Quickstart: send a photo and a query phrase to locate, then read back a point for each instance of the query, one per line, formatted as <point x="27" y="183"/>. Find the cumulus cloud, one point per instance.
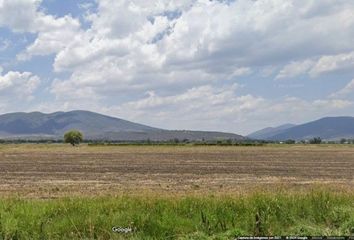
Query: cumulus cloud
<point x="25" y="12"/>
<point x="295" y="69"/>
<point x="17" y="85"/>
<point x="203" y="107"/>
<point x="333" y="104"/>
<point x="318" y="66"/>
<point x="163" y="59"/>
<point x="224" y="108"/>
<point x="333" y="63"/>
<point x="149" y="43"/>
<point x="53" y="33"/>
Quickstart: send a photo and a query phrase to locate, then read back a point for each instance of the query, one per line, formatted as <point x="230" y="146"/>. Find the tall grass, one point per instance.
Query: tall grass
<point x="188" y="217"/>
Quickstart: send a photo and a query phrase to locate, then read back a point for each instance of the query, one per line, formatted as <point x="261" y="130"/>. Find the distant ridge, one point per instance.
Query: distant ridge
<point x="329" y="128"/>
<point x="37" y="125"/>
<point x="270" y="131"/>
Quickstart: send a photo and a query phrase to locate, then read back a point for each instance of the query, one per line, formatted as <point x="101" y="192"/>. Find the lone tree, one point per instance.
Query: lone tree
<point x="316" y="140"/>
<point x="73" y="137"/>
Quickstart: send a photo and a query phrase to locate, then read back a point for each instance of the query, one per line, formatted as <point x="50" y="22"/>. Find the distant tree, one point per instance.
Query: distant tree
<point x="73" y="137"/>
<point x="343" y="140"/>
<point x="316" y="140"/>
<point x="290" y="141"/>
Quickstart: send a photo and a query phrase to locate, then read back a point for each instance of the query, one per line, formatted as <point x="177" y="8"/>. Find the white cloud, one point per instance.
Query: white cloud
<point x="53" y="33"/>
<point x="223" y="108"/>
<point x="242" y="71"/>
<point x="348" y="89"/>
<point x="333" y="103"/>
<point x="295" y="108"/>
<point x="19" y="15"/>
<point x="295" y="69"/>
<point x="333" y="63"/>
<point x="318" y="66"/>
<point x="17" y="85"/>
<point x="140" y="36"/>
<point x="187" y="54"/>
<point x="119" y="19"/>
<point x="134" y="43"/>
<point x="182" y="61"/>
<point x="205" y="107"/>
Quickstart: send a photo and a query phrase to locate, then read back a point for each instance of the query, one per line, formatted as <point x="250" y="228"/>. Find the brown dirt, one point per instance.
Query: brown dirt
<point x="47" y="171"/>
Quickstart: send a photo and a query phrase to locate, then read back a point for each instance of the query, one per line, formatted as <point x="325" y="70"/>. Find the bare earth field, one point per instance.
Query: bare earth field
<point x="48" y="171"/>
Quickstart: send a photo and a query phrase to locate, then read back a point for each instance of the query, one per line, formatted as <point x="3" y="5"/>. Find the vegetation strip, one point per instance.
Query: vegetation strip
<point x="185" y="217"/>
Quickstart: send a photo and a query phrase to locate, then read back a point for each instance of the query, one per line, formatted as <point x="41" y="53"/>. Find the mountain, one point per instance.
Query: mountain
<point x="37" y="125"/>
<point x="329" y="128"/>
<point x="270" y="131"/>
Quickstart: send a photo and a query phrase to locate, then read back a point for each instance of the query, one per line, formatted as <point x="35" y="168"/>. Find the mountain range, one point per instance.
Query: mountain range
<point x="37" y="125"/>
<point x="270" y="131"/>
<point x="329" y="128"/>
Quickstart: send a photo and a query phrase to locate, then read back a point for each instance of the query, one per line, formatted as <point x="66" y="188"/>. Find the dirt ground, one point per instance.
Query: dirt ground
<point x="48" y="171"/>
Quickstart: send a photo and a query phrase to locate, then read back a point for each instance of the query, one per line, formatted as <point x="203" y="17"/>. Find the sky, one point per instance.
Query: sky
<point x="222" y="65"/>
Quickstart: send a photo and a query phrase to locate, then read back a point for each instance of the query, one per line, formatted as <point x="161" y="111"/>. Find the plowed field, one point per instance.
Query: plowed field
<point x="58" y="170"/>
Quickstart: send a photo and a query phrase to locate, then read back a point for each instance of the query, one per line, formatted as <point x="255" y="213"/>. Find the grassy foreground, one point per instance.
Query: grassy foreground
<point x="168" y="217"/>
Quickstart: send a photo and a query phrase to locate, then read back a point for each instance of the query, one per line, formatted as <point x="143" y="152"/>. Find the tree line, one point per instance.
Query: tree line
<point x="75" y="137"/>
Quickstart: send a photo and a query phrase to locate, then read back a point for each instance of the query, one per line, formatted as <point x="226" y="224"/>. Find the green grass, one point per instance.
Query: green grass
<point x="185" y="217"/>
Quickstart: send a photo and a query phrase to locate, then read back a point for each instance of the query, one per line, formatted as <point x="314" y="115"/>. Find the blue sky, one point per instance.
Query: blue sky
<point x="234" y="66"/>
